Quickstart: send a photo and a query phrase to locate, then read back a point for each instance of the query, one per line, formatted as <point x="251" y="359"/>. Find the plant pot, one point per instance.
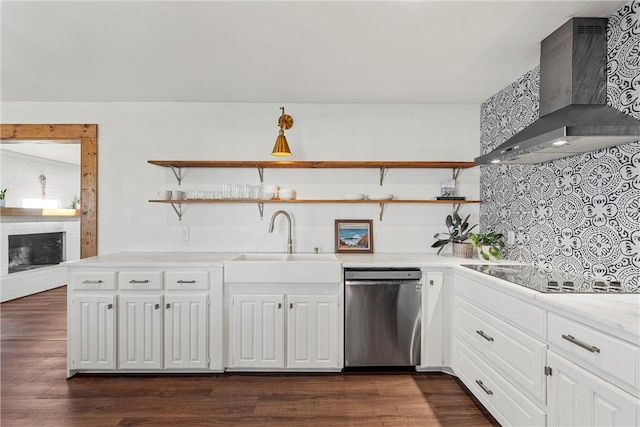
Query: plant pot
<point x="485" y="250"/>
<point x="462" y="250"/>
<point x="2" y="203"/>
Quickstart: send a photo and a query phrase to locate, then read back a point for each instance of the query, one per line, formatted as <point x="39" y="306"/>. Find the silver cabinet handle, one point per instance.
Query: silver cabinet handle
<point x="186" y="281"/>
<point x="484" y="387"/>
<point x="91" y="282"/>
<point x="573" y="340"/>
<point x="138" y="281"/>
<point x="485" y="336"/>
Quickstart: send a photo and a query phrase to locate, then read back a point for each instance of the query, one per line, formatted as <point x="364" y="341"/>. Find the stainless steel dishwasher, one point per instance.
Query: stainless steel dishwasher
<point x="382" y="316"/>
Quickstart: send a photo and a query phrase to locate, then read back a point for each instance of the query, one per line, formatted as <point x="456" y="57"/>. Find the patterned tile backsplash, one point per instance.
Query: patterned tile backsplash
<point x="578" y="215"/>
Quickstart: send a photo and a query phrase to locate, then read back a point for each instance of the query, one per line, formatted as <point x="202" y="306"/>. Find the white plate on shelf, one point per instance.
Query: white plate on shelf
<point x="381" y="197"/>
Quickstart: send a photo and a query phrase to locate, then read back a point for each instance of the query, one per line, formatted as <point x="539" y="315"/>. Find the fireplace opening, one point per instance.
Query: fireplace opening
<point x="31" y="251"/>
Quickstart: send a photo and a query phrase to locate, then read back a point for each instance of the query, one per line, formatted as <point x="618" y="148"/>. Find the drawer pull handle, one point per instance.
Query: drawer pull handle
<point x="138" y="281"/>
<point x="92" y="282"/>
<point x="168" y="305"/>
<point x="186" y="281"/>
<point x="484" y="387"/>
<point x="485" y="336"/>
<point x="573" y="340"/>
<point x="109" y="306"/>
<point x="157" y="306"/>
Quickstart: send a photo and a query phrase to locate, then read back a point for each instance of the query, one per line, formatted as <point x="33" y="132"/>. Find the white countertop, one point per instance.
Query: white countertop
<point x="154" y="259"/>
<point x="616" y="314"/>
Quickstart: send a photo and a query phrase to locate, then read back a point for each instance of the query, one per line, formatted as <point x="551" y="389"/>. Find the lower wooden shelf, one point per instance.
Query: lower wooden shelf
<point x="177" y="204"/>
<point x="38" y="212"/>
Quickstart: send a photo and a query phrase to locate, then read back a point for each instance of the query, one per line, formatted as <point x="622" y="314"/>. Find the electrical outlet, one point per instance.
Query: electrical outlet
<point x="183" y="233"/>
<point x="376" y="236"/>
<point x="511" y="237"/>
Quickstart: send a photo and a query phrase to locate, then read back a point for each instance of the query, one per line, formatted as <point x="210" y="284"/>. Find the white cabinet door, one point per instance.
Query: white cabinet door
<point x="257" y="332"/>
<point x="578" y="398"/>
<point x="432" y="324"/>
<point x="312" y="331"/>
<point x="140" y="332"/>
<point x="94" y="340"/>
<point x="185" y="331"/>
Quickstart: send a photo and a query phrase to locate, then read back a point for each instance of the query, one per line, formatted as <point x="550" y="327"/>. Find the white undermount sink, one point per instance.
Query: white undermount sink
<point x="283" y="268"/>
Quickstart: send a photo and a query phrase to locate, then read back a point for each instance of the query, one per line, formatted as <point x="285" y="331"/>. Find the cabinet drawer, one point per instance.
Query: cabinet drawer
<point x="515" y="354"/>
<point x="517" y="312"/>
<point x="503" y="400"/>
<point x="187" y="280"/>
<point x="140" y="280"/>
<point x="591" y="347"/>
<point x="94" y="281"/>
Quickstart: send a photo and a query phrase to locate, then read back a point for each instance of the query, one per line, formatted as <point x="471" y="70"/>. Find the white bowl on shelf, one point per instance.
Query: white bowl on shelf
<point x="354" y="196"/>
<point x="286" y="194"/>
<point x="381" y="197"/>
<point x="268" y="195"/>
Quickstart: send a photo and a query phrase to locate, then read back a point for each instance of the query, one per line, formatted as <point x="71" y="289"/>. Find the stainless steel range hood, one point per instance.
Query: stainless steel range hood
<point x="574" y="115"/>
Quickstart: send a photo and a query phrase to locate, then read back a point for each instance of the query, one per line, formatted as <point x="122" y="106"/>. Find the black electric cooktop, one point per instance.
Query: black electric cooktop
<point x="552" y="281"/>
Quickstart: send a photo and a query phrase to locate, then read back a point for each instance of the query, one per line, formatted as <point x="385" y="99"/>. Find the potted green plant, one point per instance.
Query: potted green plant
<point x="489" y="245"/>
<point x="3" y="195"/>
<point x="458" y="233"/>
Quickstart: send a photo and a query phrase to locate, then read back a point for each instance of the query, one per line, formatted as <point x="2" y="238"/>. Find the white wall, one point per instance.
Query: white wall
<point x="132" y="133"/>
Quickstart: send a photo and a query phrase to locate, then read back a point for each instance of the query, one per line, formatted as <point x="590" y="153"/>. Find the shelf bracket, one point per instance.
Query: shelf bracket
<point x="382" y="208"/>
<point x="177" y="172"/>
<point x="383" y="172"/>
<point x="177" y="207"/>
<point x="261" y="209"/>
<point x="260" y="173"/>
<point x="456" y="172"/>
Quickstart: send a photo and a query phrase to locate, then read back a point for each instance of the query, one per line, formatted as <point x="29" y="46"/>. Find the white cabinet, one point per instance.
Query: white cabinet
<point x="93" y="336"/>
<point x="312" y="325"/>
<point x="144" y="319"/>
<point x="580" y="398"/>
<point x="432" y="320"/>
<point x="498" y="353"/>
<point x="185" y="331"/>
<point x="258" y="331"/>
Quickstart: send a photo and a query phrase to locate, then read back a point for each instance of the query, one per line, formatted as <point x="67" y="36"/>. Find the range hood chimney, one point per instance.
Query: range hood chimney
<point x="574" y="115"/>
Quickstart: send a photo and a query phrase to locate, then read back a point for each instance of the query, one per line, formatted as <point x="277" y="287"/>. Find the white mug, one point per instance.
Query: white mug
<point x="177" y="195"/>
<point x="164" y="194"/>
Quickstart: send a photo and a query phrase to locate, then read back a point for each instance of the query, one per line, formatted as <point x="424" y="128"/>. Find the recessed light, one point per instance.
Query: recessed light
<point x="559" y="142"/>
<point x="494" y="161"/>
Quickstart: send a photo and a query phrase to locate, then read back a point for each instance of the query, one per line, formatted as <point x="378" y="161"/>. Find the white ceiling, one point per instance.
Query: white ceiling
<point x="275" y="51"/>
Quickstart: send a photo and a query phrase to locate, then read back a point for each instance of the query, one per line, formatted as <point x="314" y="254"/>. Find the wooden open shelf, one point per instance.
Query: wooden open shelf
<point x="324" y="164"/>
<point x="177" y="165"/>
<point x="38" y="212"/>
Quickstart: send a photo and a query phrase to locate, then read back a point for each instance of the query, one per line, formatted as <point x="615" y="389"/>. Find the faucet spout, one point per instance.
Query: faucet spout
<point x="289" y="241"/>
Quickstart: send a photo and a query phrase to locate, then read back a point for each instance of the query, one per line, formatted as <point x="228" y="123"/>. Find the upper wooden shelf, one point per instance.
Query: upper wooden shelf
<point x="328" y="164"/>
<point x="38" y="212"/>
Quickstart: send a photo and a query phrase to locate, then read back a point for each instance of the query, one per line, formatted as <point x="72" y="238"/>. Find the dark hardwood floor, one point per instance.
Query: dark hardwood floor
<point x="35" y="392"/>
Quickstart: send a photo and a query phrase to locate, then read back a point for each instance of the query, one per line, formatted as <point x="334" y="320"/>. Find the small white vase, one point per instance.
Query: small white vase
<point x="2" y="203"/>
<point x="462" y="250"/>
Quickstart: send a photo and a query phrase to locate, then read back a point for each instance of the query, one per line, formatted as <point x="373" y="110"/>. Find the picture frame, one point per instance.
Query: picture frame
<point x="354" y="236"/>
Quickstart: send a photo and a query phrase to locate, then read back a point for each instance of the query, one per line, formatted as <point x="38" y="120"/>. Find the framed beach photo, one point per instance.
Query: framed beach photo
<point x="354" y="236"/>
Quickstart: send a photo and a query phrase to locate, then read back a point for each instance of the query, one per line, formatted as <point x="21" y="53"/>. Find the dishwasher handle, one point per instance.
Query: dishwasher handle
<point x="381" y="282"/>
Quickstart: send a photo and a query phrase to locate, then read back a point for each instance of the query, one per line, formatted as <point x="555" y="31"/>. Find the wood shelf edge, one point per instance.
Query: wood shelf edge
<point x="327" y="164"/>
<point x="417" y="201"/>
<point x="9" y="211"/>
